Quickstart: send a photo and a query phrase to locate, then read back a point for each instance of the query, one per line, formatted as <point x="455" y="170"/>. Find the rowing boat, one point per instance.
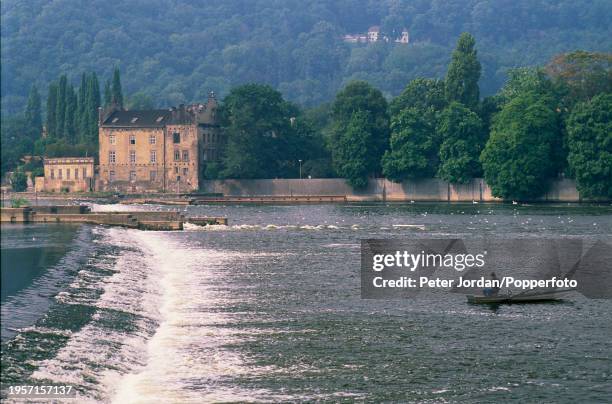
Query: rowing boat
<point x="526" y="297"/>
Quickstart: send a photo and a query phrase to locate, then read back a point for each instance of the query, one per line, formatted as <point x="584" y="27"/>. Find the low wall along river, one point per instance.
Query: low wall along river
<point x="563" y="190"/>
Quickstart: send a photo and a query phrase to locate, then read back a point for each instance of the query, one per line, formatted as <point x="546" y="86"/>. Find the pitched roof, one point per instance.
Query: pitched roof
<point x="136" y="118"/>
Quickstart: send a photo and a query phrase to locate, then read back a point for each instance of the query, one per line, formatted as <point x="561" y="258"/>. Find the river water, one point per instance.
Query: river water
<point x="269" y="309"/>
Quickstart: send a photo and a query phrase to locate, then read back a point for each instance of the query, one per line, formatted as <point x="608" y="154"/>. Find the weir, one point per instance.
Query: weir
<point x="142" y="220"/>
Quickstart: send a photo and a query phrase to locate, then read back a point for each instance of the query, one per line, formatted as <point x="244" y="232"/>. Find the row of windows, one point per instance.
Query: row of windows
<point x="76" y="173"/>
<point x="176" y="138"/>
<point x="152" y="174"/>
<point x="112" y="156"/>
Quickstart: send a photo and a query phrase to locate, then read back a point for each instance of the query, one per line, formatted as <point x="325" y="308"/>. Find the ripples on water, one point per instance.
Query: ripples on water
<point x="268" y="309"/>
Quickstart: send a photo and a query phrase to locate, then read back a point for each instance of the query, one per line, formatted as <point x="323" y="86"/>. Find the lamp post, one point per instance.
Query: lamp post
<point x="300" y="168"/>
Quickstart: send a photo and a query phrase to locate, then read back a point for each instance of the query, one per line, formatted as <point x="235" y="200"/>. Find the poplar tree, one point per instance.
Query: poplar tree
<point x="60" y="114"/>
<point x="93" y="102"/>
<point x="52" y="110"/>
<point x="116" y="94"/>
<point x="461" y="83"/>
<point x="107" y="93"/>
<point x="70" y="115"/>
<point x="33" y="113"/>
<point x="82" y="105"/>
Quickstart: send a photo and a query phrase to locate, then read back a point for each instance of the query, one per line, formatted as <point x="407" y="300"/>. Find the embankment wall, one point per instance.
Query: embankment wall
<point x="434" y="190"/>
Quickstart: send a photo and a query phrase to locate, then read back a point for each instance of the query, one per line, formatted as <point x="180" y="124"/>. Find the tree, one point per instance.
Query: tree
<point x="116" y="93"/>
<point x="356" y="97"/>
<point x="351" y="157"/>
<point x="33" y="113"/>
<point x="460" y="131"/>
<point x="463" y="73"/>
<point x="19" y="181"/>
<point x="585" y="74"/>
<point x="60" y="114"/>
<point x="257" y="122"/>
<point x="107" y="93"/>
<point x="420" y="93"/>
<point x="589" y="130"/>
<point x="52" y="110"/>
<point x="91" y="109"/>
<point x="518" y="157"/>
<point x="140" y="100"/>
<point x="414" y="145"/>
<point x="70" y="115"/>
<point x="82" y="108"/>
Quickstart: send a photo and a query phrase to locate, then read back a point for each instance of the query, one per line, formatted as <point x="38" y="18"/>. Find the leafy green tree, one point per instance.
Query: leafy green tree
<point x="33" y="112"/>
<point x="116" y="92"/>
<point x="589" y="130"/>
<point x="414" y="145"/>
<point x="140" y="100"/>
<point x="257" y="123"/>
<point x="92" y="103"/>
<point x="356" y="97"/>
<point x="420" y="93"/>
<point x="463" y="73"/>
<point x="19" y="181"/>
<point x="82" y="109"/>
<point x="518" y="157"/>
<point x="460" y="131"/>
<point x="585" y="74"/>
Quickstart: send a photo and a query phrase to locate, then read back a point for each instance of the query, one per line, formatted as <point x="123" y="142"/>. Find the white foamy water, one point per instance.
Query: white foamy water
<point x="174" y="349"/>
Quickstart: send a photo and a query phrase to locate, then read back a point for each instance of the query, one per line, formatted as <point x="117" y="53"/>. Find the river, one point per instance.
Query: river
<point x="269" y="309"/>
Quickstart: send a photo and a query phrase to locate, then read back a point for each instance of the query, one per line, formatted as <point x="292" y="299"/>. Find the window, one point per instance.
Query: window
<point x="176" y="170"/>
<point x="115" y="120"/>
<point x="112" y="139"/>
<point x="132" y="156"/>
<point x="132" y="175"/>
<point x="52" y="173"/>
<point x="76" y="173"/>
<point x="67" y="173"/>
<point x="185" y="155"/>
<point x="178" y="177"/>
<point x="152" y="139"/>
<point x="134" y="119"/>
<point x="185" y="171"/>
<point x="176" y="137"/>
<point x="152" y="175"/>
<point x="159" y="119"/>
<point x="112" y="175"/>
<point x="177" y="155"/>
<point x="111" y="157"/>
<point x="153" y="156"/>
<point x="84" y="173"/>
<point x="132" y="139"/>
<point x="59" y="175"/>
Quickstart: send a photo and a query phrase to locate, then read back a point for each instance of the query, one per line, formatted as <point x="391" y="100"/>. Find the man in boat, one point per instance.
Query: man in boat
<point x="493" y="290"/>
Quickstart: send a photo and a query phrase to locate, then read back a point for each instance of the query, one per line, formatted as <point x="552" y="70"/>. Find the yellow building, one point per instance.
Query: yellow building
<point x="67" y="174"/>
<point x="157" y="150"/>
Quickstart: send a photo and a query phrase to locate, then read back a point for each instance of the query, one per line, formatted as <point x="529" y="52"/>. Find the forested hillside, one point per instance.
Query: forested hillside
<point x="172" y="51"/>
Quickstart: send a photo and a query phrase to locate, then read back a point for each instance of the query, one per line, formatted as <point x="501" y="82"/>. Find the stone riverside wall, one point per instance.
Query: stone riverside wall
<point x="563" y="190"/>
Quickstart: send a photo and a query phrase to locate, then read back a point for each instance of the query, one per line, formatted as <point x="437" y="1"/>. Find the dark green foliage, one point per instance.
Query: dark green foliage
<point x="518" y="159"/>
<point x="177" y="51"/>
<point x="14" y="142"/>
<point x="52" y="110"/>
<point x="414" y="145"/>
<point x="33" y="113"/>
<point x="19" y="181"/>
<point x="262" y="142"/>
<point x="589" y="130"/>
<point x="584" y="74"/>
<point x="116" y="92"/>
<point x="461" y="82"/>
<point x="421" y="94"/>
<point x="60" y="108"/>
<point x="140" y="100"/>
<point x="355" y="159"/>
<point x="107" y="93"/>
<point x="461" y="133"/>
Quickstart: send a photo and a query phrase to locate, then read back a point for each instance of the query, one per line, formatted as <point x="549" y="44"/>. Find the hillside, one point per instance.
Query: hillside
<point x="176" y="51"/>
